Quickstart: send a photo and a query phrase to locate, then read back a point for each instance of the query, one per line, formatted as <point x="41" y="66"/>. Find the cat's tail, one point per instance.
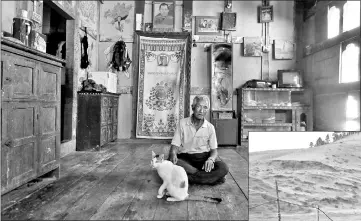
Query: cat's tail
<point x="204" y="198"/>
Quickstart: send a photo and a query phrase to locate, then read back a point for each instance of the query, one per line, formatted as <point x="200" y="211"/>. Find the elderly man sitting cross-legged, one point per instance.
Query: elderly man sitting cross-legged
<point x="194" y="147"/>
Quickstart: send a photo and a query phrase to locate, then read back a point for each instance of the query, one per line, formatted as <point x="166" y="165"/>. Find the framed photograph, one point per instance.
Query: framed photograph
<point x="207" y="25"/>
<point x="252" y="46"/>
<point x="163" y="16"/>
<point x="283" y="49"/>
<point x="265" y="14"/>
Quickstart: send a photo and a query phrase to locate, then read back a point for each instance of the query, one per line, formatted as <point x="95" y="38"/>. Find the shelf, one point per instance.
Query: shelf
<point x="273" y="89"/>
<point x="275" y="107"/>
<point x="268" y="125"/>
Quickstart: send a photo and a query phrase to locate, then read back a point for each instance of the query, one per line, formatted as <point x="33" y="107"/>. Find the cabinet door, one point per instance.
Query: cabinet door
<point x="110" y="133"/>
<point x="115" y="114"/>
<point x="110" y="115"/>
<point x="19" y="78"/>
<point x="104" y="116"/>
<point x="49" y="82"/>
<point x="49" y="133"/>
<point x="115" y="131"/>
<point x="103" y="135"/>
<point x="19" y="145"/>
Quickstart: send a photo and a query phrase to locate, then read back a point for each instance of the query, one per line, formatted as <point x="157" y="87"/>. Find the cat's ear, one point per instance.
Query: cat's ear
<point x="153" y="154"/>
<point x="161" y="157"/>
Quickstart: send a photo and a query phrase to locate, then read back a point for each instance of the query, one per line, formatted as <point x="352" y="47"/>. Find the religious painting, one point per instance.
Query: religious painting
<point x="117" y="21"/>
<point x="207" y="25"/>
<point x="252" y="46"/>
<point x="222" y="77"/>
<point x="162" y="92"/>
<point x="265" y="14"/>
<point x="88" y="11"/>
<point x="163" y="16"/>
<point x="283" y="49"/>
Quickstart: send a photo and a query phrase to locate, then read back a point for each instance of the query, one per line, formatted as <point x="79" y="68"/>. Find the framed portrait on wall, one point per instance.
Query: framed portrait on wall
<point x="265" y="14"/>
<point x="163" y="16"/>
<point x="207" y="25"/>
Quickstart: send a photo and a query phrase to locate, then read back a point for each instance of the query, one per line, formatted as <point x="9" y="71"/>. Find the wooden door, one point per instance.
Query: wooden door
<point x="49" y="136"/>
<point x="20" y="77"/>
<point x="19" y="144"/>
<point x="49" y="82"/>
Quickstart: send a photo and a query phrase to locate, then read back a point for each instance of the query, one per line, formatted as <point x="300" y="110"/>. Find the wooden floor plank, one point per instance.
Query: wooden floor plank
<point x="234" y="205"/>
<point x="57" y="208"/>
<point x="68" y="163"/>
<point x="171" y="210"/>
<point x="88" y="205"/>
<point x="198" y="210"/>
<point x="238" y="168"/>
<point x="118" y="183"/>
<point x="145" y="202"/>
<point x="25" y="208"/>
<point x="131" y="202"/>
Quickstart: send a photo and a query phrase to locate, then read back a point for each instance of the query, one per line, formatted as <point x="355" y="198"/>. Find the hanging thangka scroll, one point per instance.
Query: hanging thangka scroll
<point x="222" y="77"/>
<point x="161" y="94"/>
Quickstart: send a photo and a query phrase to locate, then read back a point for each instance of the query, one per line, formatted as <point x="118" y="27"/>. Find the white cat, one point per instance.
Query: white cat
<point x="175" y="181"/>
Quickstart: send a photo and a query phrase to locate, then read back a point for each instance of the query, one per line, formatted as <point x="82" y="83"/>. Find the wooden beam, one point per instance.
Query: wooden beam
<point x="311" y="49"/>
<point x="336" y="88"/>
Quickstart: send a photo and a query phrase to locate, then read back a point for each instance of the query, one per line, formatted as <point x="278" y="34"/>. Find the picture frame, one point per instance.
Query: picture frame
<point x="283" y="49"/>
<point x="265" y="14"/>
<point x="207" y="25"/>
<point x="163" y="16"/>
<point x="252" y="46"/>
<point x="148" y="27"/>
<point x="229" y="21"/>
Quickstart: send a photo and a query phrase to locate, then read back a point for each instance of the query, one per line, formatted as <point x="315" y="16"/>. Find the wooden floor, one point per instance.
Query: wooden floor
<point x="117" y="183"/>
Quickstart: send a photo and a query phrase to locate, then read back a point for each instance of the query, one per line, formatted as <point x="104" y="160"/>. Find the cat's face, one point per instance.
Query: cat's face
<point x="156" y="160"/>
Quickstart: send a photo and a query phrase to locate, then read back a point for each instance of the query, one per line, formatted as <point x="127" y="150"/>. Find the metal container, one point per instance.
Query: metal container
<point x="22" y="27"/>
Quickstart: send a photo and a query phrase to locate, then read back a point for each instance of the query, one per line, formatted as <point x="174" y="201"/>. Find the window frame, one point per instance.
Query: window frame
<point x="339" y="5"/>
<point x="343" y="45"/>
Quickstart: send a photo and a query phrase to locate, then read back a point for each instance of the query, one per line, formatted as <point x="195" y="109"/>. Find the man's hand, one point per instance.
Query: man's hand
<point x="173" y="154"/>
<point x="208" y="165"/>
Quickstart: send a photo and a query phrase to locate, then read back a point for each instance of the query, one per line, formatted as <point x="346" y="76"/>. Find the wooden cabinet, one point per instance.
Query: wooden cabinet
<point x="30" y="114"/>
<point x="97" y="120"/>
<point x="226" y="125"/>
<point x="274" y="109"/>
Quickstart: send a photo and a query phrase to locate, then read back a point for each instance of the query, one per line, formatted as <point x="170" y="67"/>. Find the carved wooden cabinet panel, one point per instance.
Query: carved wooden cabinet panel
<point x="97" y="119"/>
<point x="30" y="114"/>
